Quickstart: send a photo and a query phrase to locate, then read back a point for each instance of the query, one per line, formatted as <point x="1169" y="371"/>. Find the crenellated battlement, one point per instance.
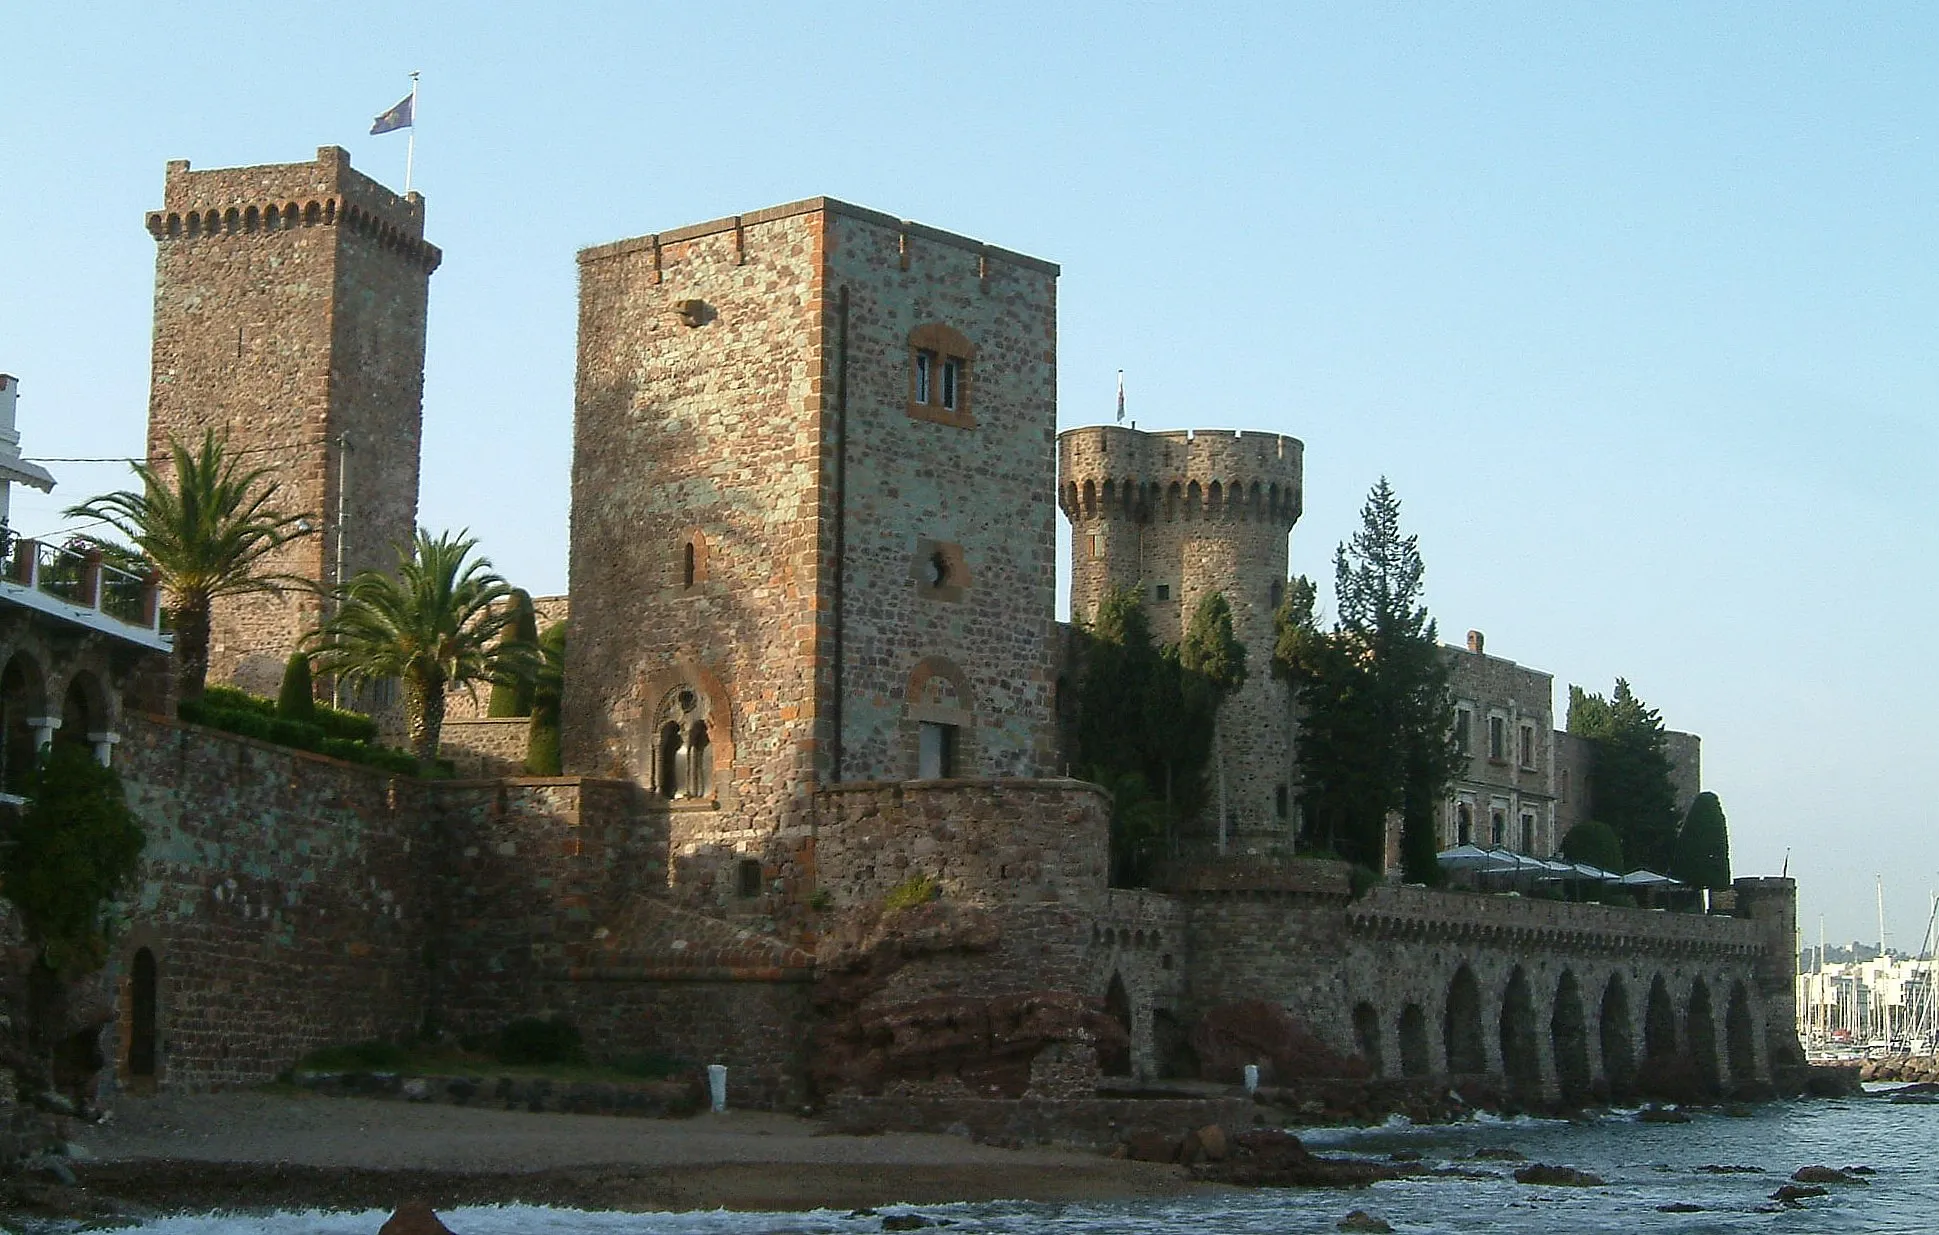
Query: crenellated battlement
<point x="1110" y="472"/>
<point x="287" y="197"/>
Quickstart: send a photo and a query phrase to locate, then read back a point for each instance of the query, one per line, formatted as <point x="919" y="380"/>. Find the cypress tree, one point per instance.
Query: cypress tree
<point x="1594" y="843"/>
<point x="1702" y="857"/>
<point x="548" y="688"/>
<point x="296" y="700"/>
<point x="514" y="697"/>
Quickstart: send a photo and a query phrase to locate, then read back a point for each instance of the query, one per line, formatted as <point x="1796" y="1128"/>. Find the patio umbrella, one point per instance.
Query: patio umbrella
<point x="1465" y="857"/>
<point x="1647" y="879"/>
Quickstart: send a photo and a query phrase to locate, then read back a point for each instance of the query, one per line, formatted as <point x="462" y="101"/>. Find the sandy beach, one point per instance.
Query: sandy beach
<point x="254" y="1151"/>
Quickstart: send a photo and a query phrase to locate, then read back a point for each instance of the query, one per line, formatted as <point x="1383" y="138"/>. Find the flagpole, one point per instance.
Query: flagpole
<point x="410" y="146"/>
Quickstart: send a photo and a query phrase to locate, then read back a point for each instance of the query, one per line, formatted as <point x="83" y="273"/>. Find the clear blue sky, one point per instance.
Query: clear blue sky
<point x="1635" y="304"/>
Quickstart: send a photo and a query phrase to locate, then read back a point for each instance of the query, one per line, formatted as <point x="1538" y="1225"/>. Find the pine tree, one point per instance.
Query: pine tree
<point x="548" y="678"/>
<point x="1629" y="773"/>
<point x="1702" y="857"/>
<point x="1377" y="726"/>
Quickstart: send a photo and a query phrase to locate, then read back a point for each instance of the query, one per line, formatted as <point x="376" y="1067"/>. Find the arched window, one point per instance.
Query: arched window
<point x="700" y="760"/>
<point x="687" y="565"/>
<point x="668" y="778"/>
<point x="691" y="563"/>
<point x="1463" y="824"/>
<point x="683" y="756"/>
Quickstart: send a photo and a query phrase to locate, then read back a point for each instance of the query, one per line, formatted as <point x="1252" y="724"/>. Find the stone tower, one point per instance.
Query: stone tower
<point x="1176" y="517"/>
<point x="289" y="317"/>
<point x="812" y="535"/>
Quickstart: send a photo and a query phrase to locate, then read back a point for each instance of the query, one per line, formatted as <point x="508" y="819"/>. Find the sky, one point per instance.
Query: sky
<point x="1634" y="304"/>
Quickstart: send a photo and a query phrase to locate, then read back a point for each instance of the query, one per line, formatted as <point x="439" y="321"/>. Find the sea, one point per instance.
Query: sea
<point x="1647" y="1166"/>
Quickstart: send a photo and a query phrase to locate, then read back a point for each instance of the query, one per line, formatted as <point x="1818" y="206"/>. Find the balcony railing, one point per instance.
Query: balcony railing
<point x="79" y="576"/>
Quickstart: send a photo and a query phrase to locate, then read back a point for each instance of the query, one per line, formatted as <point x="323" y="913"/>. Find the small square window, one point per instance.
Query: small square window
<point x="1162" y="592"/>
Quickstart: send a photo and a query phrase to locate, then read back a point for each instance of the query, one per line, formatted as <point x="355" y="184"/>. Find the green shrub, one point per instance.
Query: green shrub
<point x="542" y="744"/>
<point x="229" y="699"/>
<point x="74" y="851"/>
<point x="375" y="1055"/>
<point x="297" y="699"/>
<point x="300" y="734"/>
<point x="913" y="891"/>
<point x="345" y="724"/>
<point x="1361" y="880"/>
<point x="539" y="1040"/>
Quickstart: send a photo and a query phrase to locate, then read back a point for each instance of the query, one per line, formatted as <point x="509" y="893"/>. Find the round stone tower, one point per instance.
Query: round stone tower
<point x="1176" y="517"/>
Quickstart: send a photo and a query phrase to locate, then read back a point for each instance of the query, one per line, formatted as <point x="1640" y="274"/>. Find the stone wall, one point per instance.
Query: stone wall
<point x="290" y="307"/>
<point x="279" y="899"/>
<point x="483" y="746"/>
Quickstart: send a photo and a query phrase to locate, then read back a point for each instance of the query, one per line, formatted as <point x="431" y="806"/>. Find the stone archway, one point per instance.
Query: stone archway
<point x="1412" y="1032"/>
<point x="1659" y="1021"/>
<point x="1114" y="1060"/>
<point x="1614" y="1034"/>
<point x="1700" y="1032"/>
<point x="1569" y="1041"/>
<point x="144" y="999"/>
<point x="1521" y="1061"/>
<point x="1461" y="1026"/>
<point x="23" y="697"/>
<point x="1740" y="1037"/>
<point x="1366" y="1035"/>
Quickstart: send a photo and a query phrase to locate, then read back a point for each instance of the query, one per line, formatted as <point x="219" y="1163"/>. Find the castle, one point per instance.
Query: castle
<point x="816" y="475"/>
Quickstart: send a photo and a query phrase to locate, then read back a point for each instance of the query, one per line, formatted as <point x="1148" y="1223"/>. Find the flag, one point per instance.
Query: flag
<point x="1120" y="396"/>
<point x="398" y="117"/>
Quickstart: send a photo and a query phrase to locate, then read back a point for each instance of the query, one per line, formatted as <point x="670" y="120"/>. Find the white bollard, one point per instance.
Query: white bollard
<point x="1252" y="1078"/>
<point x="717" y="1086"/>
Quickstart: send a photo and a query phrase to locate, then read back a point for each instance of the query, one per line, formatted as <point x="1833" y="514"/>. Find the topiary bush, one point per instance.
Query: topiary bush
<point x="297" y="698"/>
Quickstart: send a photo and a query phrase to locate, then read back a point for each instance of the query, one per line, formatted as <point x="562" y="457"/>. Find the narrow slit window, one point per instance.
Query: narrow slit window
<point x="952" y="368"/>
<point x="687" y="565"/>
<point x="925" y="368"/>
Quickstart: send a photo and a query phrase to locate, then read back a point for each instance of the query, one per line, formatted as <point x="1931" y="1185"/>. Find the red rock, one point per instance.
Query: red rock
<point x="1233" y="1035"/>
<point x="413" y="1218"/>
<point x="1212" y="1140"/>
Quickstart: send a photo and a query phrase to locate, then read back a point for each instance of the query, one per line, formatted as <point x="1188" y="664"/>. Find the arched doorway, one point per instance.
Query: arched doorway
<point x="1461" y="1027"/>
<point x="1569" y="1041"/>
<point x="1519" y="1058"/>
<point x="1413" y="1041"/>
<point x="1113" y="1059"/>
<point x="23" y="695"/>
<point x="1366" y="1035"/>
<point x="1618" y="1053"/>
<point x="1700" y="1031"/>
<point x="143" y="1009"/>
<point x="1740" y="1035"/>
<point x="1659" y="1021"/>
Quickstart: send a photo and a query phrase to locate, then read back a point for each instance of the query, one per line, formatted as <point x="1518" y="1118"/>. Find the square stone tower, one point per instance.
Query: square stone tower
<point x="812" y="512"/>
<point x="289" y="317"/>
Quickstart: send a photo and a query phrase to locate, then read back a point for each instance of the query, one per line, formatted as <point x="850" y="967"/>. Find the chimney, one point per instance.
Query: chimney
<point x="9" y="397"/>
<point x="1475" y="642"/>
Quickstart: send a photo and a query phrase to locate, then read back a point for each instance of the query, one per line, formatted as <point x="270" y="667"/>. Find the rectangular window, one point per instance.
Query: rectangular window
<point x="1528" y="746"/>
<point x="1498" y="826"/>
<point x="1528" y="832"/>
<point x="750" y="877"/>
<point x="1095" y="550"/>
<point x="951" y="368"/>
<point x="925" y="363"/>
<point x="1279" y="805"/>
<point x="935" y="751"/>
<point x="1162" y="592"/>
<point x="1497" y="738"/>
<point x="1463" y="721"/>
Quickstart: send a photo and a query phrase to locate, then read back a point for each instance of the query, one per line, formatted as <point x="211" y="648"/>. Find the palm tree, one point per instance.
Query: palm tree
<point x="435" y="624"/>
<point x="209" y="531"/>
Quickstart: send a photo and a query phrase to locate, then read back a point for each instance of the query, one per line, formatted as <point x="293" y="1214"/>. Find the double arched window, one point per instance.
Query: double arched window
<point x="683" y="763"/>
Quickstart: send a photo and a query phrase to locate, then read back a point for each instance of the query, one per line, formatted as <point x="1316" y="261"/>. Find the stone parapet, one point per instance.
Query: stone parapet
<point x="1512" y="922"/>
